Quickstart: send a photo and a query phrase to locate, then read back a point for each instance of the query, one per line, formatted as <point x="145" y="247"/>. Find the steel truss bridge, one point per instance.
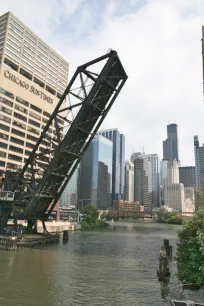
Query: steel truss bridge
<point x="76" y="119"/>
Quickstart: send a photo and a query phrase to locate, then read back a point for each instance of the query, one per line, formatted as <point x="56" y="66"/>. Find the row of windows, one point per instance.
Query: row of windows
<point x="2" y="154"/>
<point x="39" y="72"/>
<point x="6" y="101"/>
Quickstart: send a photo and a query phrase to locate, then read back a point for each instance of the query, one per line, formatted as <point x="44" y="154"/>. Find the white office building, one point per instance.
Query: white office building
<point x="129" y="181"/>
<point x="32" y="79"/>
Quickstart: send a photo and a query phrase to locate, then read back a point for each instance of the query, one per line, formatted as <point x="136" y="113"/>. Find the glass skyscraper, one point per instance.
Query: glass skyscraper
<point x="95" y="174"/>
<point x="69" y="195"/>
<point x="118" y="170"/>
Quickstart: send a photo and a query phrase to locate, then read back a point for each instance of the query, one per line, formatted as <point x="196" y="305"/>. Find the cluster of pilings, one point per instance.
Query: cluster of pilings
<point x="165" y="254"/>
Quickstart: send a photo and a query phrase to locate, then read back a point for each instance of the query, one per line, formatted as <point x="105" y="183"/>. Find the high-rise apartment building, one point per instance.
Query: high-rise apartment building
<point x="95" y="174"/>
<point x="187" y="176"/>
<point x="129" y="181"/>
<point x="143" y="183"/>
<point x="170" y="145"/>
<point x="118" y="175"/>
<point x="32" y="79"/>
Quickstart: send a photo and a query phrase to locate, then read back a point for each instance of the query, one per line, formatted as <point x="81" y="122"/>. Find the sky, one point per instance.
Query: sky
<point x="159" y="44"/>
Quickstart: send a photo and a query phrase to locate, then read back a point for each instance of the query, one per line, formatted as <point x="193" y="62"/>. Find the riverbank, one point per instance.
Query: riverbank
<point x="95" y="224"/>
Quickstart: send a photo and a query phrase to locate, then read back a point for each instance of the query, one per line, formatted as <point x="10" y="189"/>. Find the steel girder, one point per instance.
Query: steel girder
<point x="89" y="95"/>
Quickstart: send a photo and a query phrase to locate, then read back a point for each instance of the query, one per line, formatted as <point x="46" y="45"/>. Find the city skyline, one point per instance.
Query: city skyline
<point x="91" y="37"/>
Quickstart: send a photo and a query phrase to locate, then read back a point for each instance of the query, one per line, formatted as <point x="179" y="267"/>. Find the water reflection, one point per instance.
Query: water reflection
<point x="115" y="266"/>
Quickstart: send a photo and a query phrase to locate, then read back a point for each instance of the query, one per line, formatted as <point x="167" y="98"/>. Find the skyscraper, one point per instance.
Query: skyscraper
<point x="170" y="145"/>
<point x="118" y="175"/>
<point x="129" y="181"/>
<point x="196" y="154"/>
<point x="95" y="174"/>
<point x="174" y="196"/>
<point x="199" y="163"/>
<point x="187" y="176"/>
<point x="143" y="183"/>
<point x="32" y="79"/>
<point x="169" y="179"/>
<point x="154" y="161"/>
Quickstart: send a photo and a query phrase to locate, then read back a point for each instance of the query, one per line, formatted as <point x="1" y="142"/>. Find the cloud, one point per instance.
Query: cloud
<point x="159" y="43"/>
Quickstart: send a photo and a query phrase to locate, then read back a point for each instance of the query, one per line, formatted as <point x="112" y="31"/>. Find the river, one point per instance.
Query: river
<point x="115" y="266"/>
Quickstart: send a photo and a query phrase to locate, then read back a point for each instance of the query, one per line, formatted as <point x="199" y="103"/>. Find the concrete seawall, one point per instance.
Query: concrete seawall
<point x="54" y="227"/>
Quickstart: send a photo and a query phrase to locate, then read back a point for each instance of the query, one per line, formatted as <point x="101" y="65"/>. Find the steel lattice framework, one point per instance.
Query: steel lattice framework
<point x="76" y="119"/>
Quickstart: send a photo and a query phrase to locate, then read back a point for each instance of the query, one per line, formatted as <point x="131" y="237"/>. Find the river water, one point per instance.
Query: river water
<point x="115" y="266"/>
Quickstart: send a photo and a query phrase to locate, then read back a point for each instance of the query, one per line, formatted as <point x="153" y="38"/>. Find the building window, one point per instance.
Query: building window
<point x="34" y="115"/>
<point x="30" y="145"/>
<point x="4" y="118"/>
<point x="5" y="101"/>
<point x="16" y="140"/>
<point x="49" y="89"/>
<point x="44" y="120"/>
<point x="18" y="133"/>
<point x="19" y="116"/>
<point x="5" y="110"/>
<point x="34" y="123"/>
<point x="15" y="157"/>
<point x="46" y="114"/>
<point x="37" y="109"/>
<point x="3" y="136"/>
<point x="22" y="101"/>
<point x="30" y="137"/>
<point x="2" y="154"/>
<point x="2" y="163"/>
<point x="27" y="152"/>
<point x="26" y="74"/>
<point x="21" y="109"/>
<point x="4" y="127"/>
<point x="6" y="93"/>
<point x="15" y="149"/>
<point x="3" y="145"/>
<point x="59" y="95"/>
<point x="32" y="130"/>
<point x="19" y="124"/>
<point x="41" y="84"/>
<point x="10" y="64"/>
<point x="13" y="166"/>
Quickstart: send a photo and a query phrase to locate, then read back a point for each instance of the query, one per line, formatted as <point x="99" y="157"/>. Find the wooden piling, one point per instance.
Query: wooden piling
<point x="65" y="235"/>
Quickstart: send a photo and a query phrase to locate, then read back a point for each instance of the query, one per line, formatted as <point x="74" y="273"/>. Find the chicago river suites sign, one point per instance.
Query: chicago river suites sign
<point x="25" y="85"/>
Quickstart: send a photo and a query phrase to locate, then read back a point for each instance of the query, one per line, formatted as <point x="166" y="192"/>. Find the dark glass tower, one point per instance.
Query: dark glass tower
<point x="95" y="174"/>
<point x="170" y="145"/>
<point x="118" y="172"/>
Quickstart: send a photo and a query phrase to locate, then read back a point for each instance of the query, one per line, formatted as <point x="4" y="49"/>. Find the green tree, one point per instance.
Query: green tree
<point x="164" y="216"/>
<point x="190" y="254"/>
<point x="91" y="211"/>
<point x="199" y="199"/>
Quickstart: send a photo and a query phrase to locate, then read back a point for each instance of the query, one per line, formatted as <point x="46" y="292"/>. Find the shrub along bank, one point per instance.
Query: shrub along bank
<point x="90" y="218"/>
<point x="190" y="253"/>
